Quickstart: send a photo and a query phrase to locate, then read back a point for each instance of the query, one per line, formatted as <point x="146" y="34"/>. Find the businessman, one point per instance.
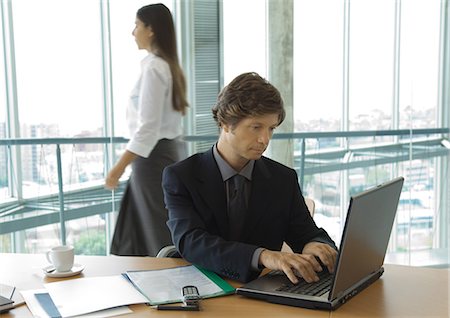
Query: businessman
<point x="231" y="208"/>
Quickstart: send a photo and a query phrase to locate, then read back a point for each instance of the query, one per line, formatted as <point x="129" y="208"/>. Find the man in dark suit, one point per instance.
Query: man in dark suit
<point x="236" y="232"/>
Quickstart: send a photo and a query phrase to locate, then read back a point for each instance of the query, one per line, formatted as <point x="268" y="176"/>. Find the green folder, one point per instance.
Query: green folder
<point x="163" y="286"/>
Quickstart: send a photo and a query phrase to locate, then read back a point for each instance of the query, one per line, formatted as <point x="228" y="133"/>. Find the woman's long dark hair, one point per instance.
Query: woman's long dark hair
<point x="164" y="44"/>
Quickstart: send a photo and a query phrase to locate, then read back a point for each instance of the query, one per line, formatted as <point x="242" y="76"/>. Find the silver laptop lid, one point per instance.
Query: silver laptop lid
<point x="366" y="235"/>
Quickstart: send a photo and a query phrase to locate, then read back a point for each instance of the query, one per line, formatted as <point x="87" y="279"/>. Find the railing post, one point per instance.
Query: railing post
<point x="61" y="196"/>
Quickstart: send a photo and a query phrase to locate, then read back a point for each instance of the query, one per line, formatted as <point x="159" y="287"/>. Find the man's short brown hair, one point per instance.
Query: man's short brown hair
<point x="248" y="95"/>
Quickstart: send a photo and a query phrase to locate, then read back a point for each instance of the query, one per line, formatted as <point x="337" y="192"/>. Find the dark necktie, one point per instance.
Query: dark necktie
<point x="236" y="206"/>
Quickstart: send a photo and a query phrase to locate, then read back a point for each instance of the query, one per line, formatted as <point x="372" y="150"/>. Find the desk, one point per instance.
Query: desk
<point x="401" y="292"/>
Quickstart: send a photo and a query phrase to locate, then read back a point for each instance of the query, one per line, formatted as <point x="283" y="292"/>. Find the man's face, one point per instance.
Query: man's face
<point x="247" y="140"/>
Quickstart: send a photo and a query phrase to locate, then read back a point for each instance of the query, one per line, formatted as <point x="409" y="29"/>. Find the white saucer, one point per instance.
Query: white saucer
<point x="76" y="269"/>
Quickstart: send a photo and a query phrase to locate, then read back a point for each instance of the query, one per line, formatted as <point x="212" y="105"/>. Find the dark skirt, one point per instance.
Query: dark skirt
<point x="141" y="228"/>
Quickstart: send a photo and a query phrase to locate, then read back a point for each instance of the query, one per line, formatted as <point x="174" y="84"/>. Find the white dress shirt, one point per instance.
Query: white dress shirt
<point x="150" y="114"/>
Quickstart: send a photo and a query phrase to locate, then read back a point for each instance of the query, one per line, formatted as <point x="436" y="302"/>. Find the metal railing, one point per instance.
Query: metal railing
<point x="8" y="224"/>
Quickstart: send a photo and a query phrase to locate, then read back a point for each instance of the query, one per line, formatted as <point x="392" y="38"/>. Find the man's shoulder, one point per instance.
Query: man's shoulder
<point x="275" y="165"/>
<point x="188" y="169"/>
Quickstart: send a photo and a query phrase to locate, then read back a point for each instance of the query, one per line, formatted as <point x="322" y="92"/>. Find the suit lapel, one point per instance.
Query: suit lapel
<point x="259" y="197"/>
<point x="212" y="190"/>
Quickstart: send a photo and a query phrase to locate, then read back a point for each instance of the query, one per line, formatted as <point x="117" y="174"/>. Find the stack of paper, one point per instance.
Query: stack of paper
<point x="107" y="296"/>
<point x="83" y="296"/>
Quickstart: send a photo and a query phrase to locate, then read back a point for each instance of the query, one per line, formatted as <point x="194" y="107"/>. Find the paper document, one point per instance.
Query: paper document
<point x="39" y="312"/>
<point x="85" y="295"/>
<point x="164" y="285"/>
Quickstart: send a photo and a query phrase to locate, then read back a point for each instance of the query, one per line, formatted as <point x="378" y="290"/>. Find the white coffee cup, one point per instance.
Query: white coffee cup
<point x="61" y="257"/>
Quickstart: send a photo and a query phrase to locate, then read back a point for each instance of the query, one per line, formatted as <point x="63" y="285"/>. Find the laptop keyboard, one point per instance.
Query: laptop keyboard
<point x="313" y="289"/>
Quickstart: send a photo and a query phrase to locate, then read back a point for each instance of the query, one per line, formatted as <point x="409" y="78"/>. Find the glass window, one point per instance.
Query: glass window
<point x="4" y="191"/>
<point x="416" y="217"/>
<point x="318" y="54"/>
<point x="244" y="38"/>
<point x="58" y="58"/>
<point x="88" y="235"/>
<point x="40" y="239"/>
<point x="39" y="170"/>
<point x="82" y="165"/>
<point x="325" y="189"/>
<point x="371" y="66"/>
<point x="419" y="63"/>
<point x="58" y="51"/>
<point x="60" y="93"/>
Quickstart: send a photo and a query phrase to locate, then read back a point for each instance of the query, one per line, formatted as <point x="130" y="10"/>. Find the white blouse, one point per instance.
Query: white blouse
<point x="150" y="114"/>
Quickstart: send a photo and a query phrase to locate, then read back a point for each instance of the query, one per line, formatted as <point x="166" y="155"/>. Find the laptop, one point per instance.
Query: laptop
<point x="360" y="260"/>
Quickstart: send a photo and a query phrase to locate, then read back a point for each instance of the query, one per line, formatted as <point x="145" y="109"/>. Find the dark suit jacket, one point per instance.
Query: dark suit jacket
<point x="195" y="196"/>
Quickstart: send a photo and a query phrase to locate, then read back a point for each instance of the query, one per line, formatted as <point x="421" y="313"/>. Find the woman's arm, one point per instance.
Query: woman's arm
<point x="112" y="179"/>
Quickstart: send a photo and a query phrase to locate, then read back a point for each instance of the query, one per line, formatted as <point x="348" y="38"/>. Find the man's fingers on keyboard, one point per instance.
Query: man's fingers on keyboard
<point x="308" y="274"/>
<point x="291" y="275"/>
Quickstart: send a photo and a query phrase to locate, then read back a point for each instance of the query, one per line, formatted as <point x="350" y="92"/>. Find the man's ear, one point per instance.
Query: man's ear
<point x="226" y="128"/>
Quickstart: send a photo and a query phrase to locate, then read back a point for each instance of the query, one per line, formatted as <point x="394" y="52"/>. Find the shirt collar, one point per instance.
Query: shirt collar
<point x="227" y="171"/>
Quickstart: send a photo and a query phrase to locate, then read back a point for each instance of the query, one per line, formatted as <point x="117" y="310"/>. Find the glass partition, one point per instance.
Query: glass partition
<point x="419" y="66"/>
<point x="57" y="56"/>
<point x="244" y="38"/>
<point x="371" y="65"/>
<point x="75" y="71"/>
<point x="4" y="179"/>
<point x="318" y="56"/>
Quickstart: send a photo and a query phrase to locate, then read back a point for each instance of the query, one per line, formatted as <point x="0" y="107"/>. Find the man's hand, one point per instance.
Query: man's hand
<point x="305" y="265"/>
<point x="291" y="264"/>
<point x="324" y="252"/>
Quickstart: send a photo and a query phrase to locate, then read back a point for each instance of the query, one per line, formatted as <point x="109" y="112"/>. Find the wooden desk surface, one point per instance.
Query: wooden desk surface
<point x="401" y="292"/>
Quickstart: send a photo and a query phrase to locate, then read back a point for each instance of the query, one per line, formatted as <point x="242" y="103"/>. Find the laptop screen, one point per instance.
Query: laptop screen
<point x="366" y="235"/>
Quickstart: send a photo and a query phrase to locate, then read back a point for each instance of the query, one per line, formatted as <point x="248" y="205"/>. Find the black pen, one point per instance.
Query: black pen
<point x="168" y="307"/>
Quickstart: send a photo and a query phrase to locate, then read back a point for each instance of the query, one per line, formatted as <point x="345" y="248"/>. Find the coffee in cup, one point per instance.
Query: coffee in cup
<point x="61" y="257"/>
